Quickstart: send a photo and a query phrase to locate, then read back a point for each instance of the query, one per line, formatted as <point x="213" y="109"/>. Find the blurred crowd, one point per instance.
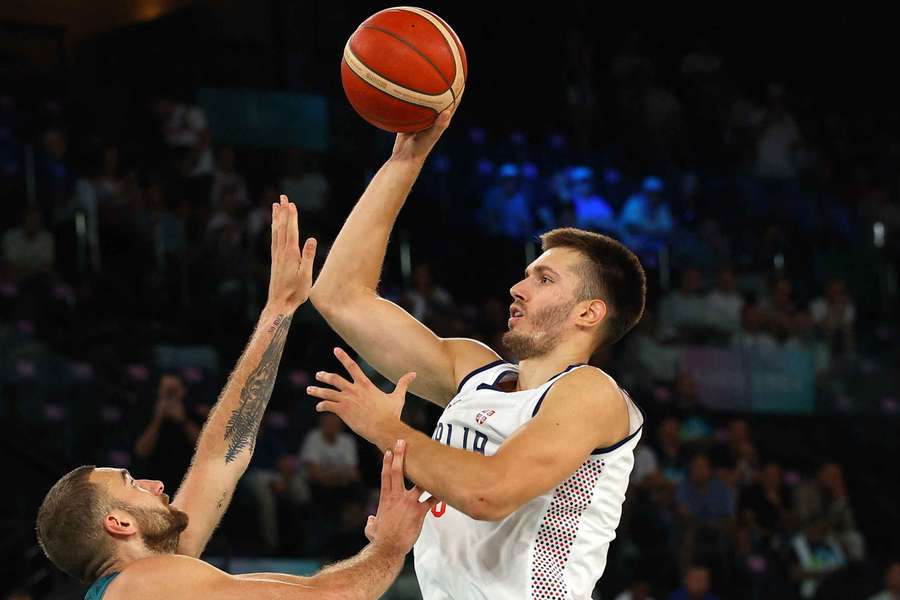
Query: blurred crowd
<point x="134" y="263"/>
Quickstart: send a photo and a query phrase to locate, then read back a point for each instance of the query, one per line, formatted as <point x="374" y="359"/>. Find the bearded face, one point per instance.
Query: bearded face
<point x="536" y="334"/>
<point x="160" y="528"/>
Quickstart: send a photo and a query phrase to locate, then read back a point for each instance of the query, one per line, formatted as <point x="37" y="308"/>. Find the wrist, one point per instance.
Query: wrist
<point x="389" y="553"/>
<point x="388" y="432"/>
<point x="276" y="307"/>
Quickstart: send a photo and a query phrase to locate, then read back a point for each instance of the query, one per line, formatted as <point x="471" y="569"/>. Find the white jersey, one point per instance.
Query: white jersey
<point x="552" y="547"/>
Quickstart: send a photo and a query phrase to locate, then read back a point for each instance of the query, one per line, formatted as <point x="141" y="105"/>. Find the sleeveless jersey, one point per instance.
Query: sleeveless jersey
<point x="552" y="547"/>
<point x="98" y="588"/>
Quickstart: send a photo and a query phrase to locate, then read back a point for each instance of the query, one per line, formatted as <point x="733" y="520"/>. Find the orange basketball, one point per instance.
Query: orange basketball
<point x="402" y="67"/>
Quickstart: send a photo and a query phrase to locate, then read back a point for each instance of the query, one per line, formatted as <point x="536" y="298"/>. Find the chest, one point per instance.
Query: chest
<point x="480" y="420"/>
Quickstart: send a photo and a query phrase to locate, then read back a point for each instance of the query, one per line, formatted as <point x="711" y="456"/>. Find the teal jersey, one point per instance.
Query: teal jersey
<point x="96" y="591"/>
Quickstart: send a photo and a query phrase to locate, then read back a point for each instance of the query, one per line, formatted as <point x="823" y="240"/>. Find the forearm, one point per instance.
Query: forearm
<point x="367" y="575"/>
<point x="229" y="435"/>
<point x="146" y="443"/>
<point x="357" y="254"/>
<point x="465" y="480"/>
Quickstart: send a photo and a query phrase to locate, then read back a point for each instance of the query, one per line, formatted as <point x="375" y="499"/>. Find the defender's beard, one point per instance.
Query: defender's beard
<point x="161" y="528"/>
<point x="546" y="326"/>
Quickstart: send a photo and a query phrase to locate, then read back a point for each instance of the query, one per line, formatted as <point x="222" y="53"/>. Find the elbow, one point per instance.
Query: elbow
<point x="488" y="505"/>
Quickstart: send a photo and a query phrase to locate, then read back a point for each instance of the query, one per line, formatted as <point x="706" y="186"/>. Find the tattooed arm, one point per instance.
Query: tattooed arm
<point x="226" y="444"/>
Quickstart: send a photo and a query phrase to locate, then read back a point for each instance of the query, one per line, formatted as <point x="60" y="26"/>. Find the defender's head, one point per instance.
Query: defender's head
<point x="91" y="515"/>
<point x="586" y="288"/>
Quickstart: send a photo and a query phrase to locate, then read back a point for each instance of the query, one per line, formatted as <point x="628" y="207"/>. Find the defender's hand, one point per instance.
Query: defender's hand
<point x="291" y="275"/>
<point x="398" y="522"/>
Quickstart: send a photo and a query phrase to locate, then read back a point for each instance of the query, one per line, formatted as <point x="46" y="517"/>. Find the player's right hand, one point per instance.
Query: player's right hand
<point x="398" y="522"/>
<point x="417" y="146"/>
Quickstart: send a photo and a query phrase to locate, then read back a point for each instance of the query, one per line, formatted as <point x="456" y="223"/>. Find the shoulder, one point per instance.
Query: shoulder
<point x="172" y="575"/>
<point x="588" y="383"/>
<point x="587" y="395"/>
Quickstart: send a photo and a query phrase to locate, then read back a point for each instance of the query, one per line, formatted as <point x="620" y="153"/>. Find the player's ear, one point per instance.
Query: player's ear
<point x="592" y="312"/>
<point x="120" y="524"/>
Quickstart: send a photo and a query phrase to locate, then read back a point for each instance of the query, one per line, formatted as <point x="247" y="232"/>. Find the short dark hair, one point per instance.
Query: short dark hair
<point x="69" y="525"/>
<point x="611" y="272"/>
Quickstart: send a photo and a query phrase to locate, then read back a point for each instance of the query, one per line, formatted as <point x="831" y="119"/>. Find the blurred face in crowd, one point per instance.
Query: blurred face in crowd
<point x="726" y="281"/>
<point x="771" y="476"/>
<point x="690" y="281"/>
<point x="640" y="590"/>
<point x="55" y="144"/>
<point x="422" y="278"/>
<point x="139" y="507"/>
<point x="696" y="581"/>
<point x="751" y="318"/>
<point x="701" y="471"/>
<point x="686" y="386"/>
<point x="738" y="432"/>
<point x="781" y="292"/>
<point x="330" y="424"/>
<point x="892" y="578"/>
<point x="172" y="387"/>
<point x="544" y="307"/>
<point x="226" y="159"/>
<point x="831" y="475"/>
<point x="836" y="291"/>
<point x="668" y="432"/>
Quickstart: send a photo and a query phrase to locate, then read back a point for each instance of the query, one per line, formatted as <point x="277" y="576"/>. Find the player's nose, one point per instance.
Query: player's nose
<point x="152" y="485"/>
<point x="518" y="291"/>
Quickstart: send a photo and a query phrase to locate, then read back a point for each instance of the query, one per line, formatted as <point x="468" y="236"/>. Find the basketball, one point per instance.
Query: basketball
<point x="402" y="67"/>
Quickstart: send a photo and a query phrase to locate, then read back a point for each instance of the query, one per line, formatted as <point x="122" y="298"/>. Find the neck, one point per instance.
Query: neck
<point x="123" y="558"/>
<point x="534" y="372"/>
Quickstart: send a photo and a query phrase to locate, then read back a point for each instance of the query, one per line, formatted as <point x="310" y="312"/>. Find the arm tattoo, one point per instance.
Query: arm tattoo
<point x="221" y="501"/>
<point x="243" y="425"/>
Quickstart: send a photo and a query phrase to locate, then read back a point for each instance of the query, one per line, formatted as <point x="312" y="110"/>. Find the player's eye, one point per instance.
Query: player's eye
<point x="546" y="279"/>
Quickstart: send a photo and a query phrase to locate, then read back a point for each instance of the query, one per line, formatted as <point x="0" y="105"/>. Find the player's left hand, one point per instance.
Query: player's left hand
<point x="291" y="275"/>
<point x="362" y="406"/>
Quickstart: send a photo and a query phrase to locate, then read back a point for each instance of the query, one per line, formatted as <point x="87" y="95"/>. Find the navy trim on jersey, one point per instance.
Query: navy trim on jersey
<point x="490" y="365"/>
<point x="537" y="406"/>
<point x="609" y="449"/>
<point x="495" y="386"/>
<point x="617" y="444"/>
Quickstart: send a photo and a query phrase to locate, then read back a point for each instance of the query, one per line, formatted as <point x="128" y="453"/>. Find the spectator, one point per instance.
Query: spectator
<point x="766" y="504"/>
<point x="271" y="477"/>
<point x="834" y="315"/>
<point x="781" y="312"/>
<point x="332" y="464"/>
<point x="891" y="589"/>
<point x="724" y="304"/>
<point x="591" y="210"/>
<point x="683" y="312"/>
<point x="753" y="338"/>
<point x="671" y="455"/>
<point x="305" y="183"/>
<point x="645" y="464"/>
<point x="184" y="127"/>
<point x="505" y="211"/>
<point x="227" y="179"/>
<point x="702" y="498"/>
<point x="426" y="301"/>
<point x="778" y="138"/>
<point x="54" y="176"/>
<point x="695" y="585"/>
<point x="816" y="556"/>
<point x="646" y="221"/>
<point x="166" y="442"/>
<point x="826" y="498"/>
<point x="638" y="590"/>
<point x="29" y="248"/>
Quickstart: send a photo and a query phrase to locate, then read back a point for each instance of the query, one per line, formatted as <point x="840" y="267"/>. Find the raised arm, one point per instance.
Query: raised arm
<point x="346" y="291"/>
<point x="229" y="436"/>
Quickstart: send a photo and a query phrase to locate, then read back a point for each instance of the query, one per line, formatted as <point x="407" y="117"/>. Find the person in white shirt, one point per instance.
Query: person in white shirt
<point x="29" y="248"/>
<point x="891" y="589"/>
<point x="778" y="139"/>
<point x="684" y="309"/>
<point x="724" y="304"/>
<point x="834" y="315"/>
<point x="331" y="461"/>
<point x="646" y="221"/>
<point x="184" y="126"/>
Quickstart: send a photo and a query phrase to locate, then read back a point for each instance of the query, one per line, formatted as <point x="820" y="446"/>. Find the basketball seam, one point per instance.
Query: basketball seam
<point x="397" y="83"/>
<point x="381" y="91"/>
<point x="443" y="77"/>
<point x="452" y="41"/>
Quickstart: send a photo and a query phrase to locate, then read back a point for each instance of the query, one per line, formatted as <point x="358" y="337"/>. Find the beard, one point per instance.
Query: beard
<point x="160" y="528"/>
<point x="547" y="331"/>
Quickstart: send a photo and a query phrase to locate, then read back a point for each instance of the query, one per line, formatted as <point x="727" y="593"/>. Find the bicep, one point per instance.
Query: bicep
<point x="573" y="421"/>
<point x="395" y="343"/>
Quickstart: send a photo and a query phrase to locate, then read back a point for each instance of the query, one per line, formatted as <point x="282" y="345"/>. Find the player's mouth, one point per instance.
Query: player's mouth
<point x="516" y="314"/>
